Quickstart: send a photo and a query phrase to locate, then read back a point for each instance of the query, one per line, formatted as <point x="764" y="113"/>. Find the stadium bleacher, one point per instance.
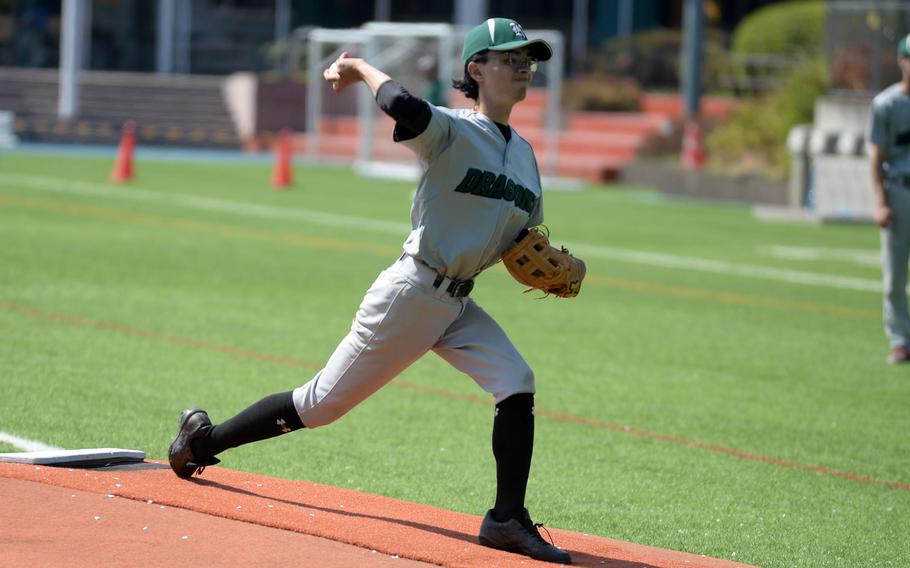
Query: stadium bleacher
<point x="169" y="110"/>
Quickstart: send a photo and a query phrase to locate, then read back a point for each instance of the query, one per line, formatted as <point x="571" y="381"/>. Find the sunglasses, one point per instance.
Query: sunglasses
<point x="518" y="61"/>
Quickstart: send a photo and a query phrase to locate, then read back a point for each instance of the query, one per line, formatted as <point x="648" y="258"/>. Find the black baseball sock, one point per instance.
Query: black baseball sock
<point x="513" y="444"/>
<point x="272" y="416"/>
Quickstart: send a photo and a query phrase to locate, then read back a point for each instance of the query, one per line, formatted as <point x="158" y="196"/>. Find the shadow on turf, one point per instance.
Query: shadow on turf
<point x="578" y="558"/>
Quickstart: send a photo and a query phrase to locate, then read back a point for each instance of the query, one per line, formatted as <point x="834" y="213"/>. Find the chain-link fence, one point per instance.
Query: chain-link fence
<point x="861" y="43"/>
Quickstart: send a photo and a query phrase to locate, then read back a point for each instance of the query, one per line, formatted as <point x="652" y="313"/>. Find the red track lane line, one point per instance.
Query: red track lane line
<point x="720" y="449"/>
<point x="559" y="416"/>
<point x="198" y="343"/>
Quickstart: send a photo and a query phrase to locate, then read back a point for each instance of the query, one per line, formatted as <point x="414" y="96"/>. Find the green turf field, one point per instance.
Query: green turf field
<point x="718" y="387"/>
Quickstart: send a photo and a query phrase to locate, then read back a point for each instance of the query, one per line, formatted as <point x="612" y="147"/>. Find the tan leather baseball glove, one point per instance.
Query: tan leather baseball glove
<point x="534" y="262"/>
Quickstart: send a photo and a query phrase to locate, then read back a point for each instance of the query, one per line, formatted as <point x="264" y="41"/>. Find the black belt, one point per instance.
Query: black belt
<point x="456" y="288"/>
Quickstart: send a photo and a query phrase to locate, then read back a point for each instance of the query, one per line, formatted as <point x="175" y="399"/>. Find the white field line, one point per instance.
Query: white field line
<point x="401" y="229"/>
<point x="27" y="445"/>
<point x="134" y="193"/>
<point x="863" y="257"/>
<point x="728" y="268"/>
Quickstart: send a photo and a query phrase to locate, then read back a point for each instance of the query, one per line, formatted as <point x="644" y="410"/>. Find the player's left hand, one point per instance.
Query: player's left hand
<point x="342" y="72"/>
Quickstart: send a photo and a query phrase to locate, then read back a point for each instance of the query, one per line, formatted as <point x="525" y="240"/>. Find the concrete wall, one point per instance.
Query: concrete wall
<point x="837" y="181"/>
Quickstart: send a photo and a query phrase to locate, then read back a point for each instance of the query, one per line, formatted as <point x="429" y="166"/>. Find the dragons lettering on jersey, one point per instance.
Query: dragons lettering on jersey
<point x="487" y="184"/>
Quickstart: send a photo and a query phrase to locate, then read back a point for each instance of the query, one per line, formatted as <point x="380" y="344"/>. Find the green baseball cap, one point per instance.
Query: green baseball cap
<point x="502" y="34"/>
<point x="903" y="50"/>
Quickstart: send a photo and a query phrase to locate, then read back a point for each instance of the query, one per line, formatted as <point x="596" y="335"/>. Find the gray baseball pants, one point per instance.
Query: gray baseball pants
<point x="402" y="317"/>
<point x="895" y="255"/>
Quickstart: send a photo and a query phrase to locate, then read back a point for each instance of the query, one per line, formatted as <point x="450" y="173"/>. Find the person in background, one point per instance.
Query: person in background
<point x="889" y="152"/>
<point x="435" y="90"/>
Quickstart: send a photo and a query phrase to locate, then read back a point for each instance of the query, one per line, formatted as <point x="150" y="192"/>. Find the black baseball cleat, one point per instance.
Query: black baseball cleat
<point x="520" y="536"/>
<point x="192" y="425"/>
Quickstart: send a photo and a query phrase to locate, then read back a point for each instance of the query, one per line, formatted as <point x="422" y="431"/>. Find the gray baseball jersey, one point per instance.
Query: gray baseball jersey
<point x="476" y="193"/>
<point x="889" y="128"/>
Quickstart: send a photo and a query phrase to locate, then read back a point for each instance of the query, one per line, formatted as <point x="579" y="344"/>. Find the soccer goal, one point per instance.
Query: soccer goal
<point x="424" y="58"/>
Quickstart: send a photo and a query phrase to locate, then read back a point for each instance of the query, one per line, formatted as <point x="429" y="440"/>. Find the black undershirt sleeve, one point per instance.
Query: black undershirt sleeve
<point x="412" y="114"/>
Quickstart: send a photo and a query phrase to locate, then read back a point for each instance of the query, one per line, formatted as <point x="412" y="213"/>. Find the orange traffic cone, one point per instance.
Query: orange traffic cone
<point x="123" y="167"/>
<point x="693" y="147"/>
<point x="282" y="175"/>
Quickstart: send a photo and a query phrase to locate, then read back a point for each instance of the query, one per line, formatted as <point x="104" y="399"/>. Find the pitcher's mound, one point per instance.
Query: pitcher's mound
<point x="132" y="517"/>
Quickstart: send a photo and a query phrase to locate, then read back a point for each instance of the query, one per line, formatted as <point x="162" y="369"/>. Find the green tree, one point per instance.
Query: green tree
<point x="755" y="138"/>
<point x="787" y="28"/>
